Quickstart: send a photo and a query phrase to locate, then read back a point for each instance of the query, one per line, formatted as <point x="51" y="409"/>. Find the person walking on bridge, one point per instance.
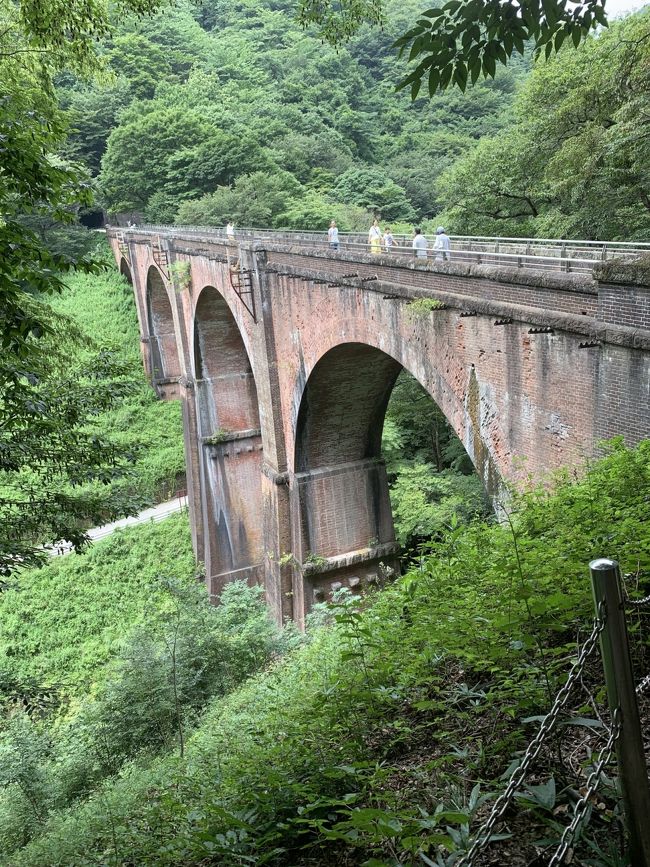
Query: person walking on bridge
<point x="388" y="240"/>
<point x="420" y="244"/>
<point x="333" y="236"/>
<point x="230" y="231"/>
<point x="374" y="237"/>
<point x="442" y="245"/>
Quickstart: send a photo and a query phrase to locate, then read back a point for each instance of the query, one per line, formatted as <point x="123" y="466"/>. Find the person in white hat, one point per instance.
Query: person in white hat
<point x="442" y="245"/>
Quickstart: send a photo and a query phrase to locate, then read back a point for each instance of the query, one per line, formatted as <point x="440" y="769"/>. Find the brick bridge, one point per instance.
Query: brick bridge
<point x="284" y="354"/>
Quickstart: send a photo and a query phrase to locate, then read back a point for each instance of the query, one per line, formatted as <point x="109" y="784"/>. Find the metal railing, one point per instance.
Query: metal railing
<point x="541" y="254"/>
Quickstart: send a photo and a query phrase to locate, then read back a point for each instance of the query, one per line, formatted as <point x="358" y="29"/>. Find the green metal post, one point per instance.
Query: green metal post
<point x="619" y="679"/>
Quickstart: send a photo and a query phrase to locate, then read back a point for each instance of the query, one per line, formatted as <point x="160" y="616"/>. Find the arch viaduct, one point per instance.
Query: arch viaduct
<point x="284" y="354"/>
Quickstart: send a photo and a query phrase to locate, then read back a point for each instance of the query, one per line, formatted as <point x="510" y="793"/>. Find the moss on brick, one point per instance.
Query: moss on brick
<point x="634" y="271"/>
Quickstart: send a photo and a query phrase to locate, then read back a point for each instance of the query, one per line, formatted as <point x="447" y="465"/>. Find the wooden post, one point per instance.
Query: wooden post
<point x="619" y="679"/>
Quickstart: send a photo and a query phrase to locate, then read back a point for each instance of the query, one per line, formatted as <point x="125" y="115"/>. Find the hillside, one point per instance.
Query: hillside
<point x="103" y="307"/>
<point x="232" y="111"/>
<point x="382" y="741"/>
<point x="236" y="111"/>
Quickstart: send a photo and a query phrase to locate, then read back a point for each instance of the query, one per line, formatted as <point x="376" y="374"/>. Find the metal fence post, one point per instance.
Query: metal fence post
<point x="619" y="679"/>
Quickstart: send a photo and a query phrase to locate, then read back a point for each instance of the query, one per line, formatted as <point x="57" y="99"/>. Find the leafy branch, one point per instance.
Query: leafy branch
<point x="461" y="41"/>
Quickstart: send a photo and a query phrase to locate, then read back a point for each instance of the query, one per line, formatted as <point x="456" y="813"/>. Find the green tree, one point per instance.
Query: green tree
<point x="258" y="199"/>
<point x="495" y="189"/>
<point x="91" y="114"/>
<point x="575" y="161"/>
<point x="42" y="414"/>
<point x="140" y="156"/>
<point x="426" y="503"/>
<point x="218" y="161"/>
<point x="312" y="211"/>
<point x="374" y="191"/>
<point x="143" y="63"/>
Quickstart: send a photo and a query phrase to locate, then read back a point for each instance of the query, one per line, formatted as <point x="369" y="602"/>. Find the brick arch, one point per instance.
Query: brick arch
<point x="343" y="405"/>
<point x="347" y="392"/>
<point x="228" y="417"/>
<point x="164" y="358"/>
<point x="125" y="271"/>
<point x="221" y="360"/>
<point x="340" y="485"/>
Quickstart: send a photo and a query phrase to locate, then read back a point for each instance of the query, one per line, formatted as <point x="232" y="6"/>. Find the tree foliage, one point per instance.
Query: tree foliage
<point x="385" y="735"/>
<point x="461" y="40"/>
<point x="117" y="664"/>
<point x="432" y="479"/>
<point x="574" y="163"/>
<point x="44" y="409"/>
<point x="250" y="92"/>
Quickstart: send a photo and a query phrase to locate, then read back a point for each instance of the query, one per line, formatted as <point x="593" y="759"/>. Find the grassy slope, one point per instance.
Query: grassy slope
<point x="103" y="306"/>
<point x="366" y="743"/>
<point x="61" y="623"/>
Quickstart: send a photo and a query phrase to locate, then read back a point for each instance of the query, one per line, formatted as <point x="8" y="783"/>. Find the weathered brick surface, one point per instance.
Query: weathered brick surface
<point x="579" y="297"/>
<point x="624" y="305"/>
<point x="313" y="372"/>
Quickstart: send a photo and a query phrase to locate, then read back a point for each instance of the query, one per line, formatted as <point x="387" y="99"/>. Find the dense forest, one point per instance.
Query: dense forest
<point x="233" y="111"/>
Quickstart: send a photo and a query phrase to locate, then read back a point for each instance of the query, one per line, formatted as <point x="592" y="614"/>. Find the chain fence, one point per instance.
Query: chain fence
<point x="583" y="806"/>
<point x="638" y="603"/>
<point x="484" y="834"/>
<point x="644" y="686"/>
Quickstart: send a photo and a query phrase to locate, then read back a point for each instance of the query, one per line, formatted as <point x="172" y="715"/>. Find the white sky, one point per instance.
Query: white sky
<point x="615" y="8"/>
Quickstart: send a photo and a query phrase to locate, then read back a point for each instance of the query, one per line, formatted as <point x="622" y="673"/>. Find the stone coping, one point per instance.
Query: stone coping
<point x="352" y="558"/>
<point x="632" y="271"/>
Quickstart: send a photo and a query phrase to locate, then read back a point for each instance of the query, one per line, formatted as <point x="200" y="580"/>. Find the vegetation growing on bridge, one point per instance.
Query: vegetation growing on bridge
<point x="382" y="738"/>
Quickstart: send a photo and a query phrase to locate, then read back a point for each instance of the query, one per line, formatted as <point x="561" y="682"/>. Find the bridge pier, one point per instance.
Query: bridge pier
<point x="191" y="443"/>
<point x="343" y="534"/>
<point x="281" y="591"/>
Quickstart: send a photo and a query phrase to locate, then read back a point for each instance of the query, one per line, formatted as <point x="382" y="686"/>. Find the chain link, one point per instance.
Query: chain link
<point x="534" y="748"/>
<point x="644" y="686"/>
<point x="593" y="781"/>
<point x="637" y="603"/>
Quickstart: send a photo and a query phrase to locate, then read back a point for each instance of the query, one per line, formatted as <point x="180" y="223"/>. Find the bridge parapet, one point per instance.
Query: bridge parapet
<point x="539" y="254"/>
<point x="541" y="282"/>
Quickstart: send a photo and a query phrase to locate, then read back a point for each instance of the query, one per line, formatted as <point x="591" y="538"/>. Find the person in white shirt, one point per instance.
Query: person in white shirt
<point x="420" y="244"/>
<point x="333" y="236"/>
<point x="442" y="245"/>
<point x="230" y="230"/>
<point x="389" y="241"/>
